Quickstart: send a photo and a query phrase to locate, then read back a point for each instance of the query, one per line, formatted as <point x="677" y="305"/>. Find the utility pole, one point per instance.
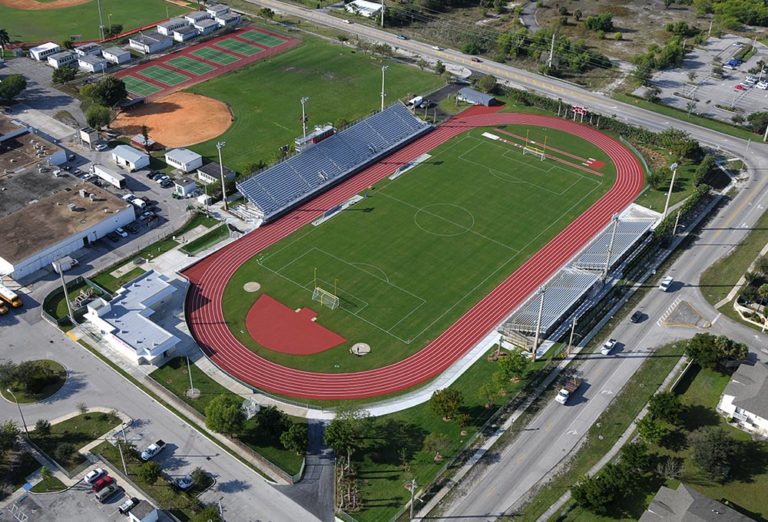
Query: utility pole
<point x="219" y="146"/>
<point x="66" y="296"/>
<point x="677" y="220"/>
<point x="382" y="14"/>
<point x="538" y="322"/>
<point x="189" y="369"/>
<point x="570" y="339"/>
<point x="383" y="94"/>
<point x="413" y="492"/>
<point x="101" y="19"/>
<point x="669" y="192"/>
<point x="551" y="52"/>
<point x="23" y="422"/>
<point x="615" y="220"/>
<point x="765" y="136"/>
<point x="304" y="100"/>
<point x="122" y="458"/>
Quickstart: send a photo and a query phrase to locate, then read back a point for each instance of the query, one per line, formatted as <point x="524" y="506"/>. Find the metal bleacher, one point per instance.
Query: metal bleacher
<point x="281" y="187"/>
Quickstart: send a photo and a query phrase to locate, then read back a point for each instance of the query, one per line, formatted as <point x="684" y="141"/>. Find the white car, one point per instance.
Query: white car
<point x="608" y="347"/>
<point x="121" y="232"/>
<point x="762" y="85"/>
<point x="93" y="475"/>
<point x="101" y="147"/>
<point x="129" y="197"/>
<point x="666" y="283"/>
<point x="184" y="482"/>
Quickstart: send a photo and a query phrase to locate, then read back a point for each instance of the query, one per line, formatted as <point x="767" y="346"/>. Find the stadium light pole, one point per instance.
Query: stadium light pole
<point x="541" y="292"/>
<point x="615" y="220"/>
<point x="383" y="94"/>
<point x="304" y="100"/>
<point x="669" y="192"/>
<point x="66" y="296"/>
<point x="101" y="19"/>
<point x="23" y="422"/>
<point x="219" y="146"/>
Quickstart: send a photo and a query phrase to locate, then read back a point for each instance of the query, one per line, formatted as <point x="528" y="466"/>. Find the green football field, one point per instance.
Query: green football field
<point x="56" y="25"/>
<point x="341" y="84"/>
<point x="420" y="250"/>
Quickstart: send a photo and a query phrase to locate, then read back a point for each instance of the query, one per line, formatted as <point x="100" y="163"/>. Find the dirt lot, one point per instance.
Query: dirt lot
<point x="37" y="5"/>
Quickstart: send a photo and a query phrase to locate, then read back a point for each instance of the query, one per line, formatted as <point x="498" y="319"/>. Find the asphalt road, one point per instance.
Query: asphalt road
<point x="244" y="494"/>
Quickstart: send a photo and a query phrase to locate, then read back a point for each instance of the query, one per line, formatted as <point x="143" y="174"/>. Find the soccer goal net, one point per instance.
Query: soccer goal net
<point x="535" y="151"/>
<point x="325" y="298"/>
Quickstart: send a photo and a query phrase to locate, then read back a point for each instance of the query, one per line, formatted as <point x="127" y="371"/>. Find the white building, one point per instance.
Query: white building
<point x="167" y="28"/>
<point x="183" y="159"/>
<point x="41" y="52"/>
<point x="56" y="226"/>
<point x="116" y="55"/>
<point x="745" y="399"/>
<point x="89" y="48"/>
<point x="63" y="58"/>
<point x="130" y="158"/>
<point x="211" y="173"/>
<point x="205" y="26"/>
<point x="185" y="187"/>
<point x="196" y="16"/>
<point x="363" y="8"/>
<point x="186" y="33"/>
<point x="217" y="9"/>
<point x="125" y="320"/>
<point x="149" y="43"/>
<point x="92" y="63"/>
<point x="227" y="19"/>
<point x="144" y="512"/>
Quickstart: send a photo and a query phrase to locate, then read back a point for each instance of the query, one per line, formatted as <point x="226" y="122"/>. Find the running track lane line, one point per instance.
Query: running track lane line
<point x="209" y="277"/>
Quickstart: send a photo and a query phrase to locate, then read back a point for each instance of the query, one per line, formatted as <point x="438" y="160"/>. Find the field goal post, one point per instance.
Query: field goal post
<point x="325" y="298"/>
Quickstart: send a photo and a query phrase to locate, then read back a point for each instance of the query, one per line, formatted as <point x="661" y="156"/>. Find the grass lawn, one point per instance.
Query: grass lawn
<point x="175" y="377"/>
<point x="50" y="377"/>
<point x="613" y="422"/>
<point x="59" y="24"/>
<point x="418" y="252"/>
<point x="684" y="187"/>
<point x="15" y="467"/>
<point x="721" y="277"/>
<point x="180" y="503"/>
<point x="77" y="431"/>
<point x="111" y="283"/>
<point x="341" y="83"/>
<point x="49" y="485"/>
<point x="207" y="240"/>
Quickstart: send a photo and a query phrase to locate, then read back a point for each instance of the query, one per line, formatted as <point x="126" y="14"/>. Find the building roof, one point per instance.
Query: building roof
<point x="142" y="509"/>
<point x="173" y="21"/>
<point x="749" y="387"/>
<point x="61" y="55"/>
<point x="227" y="16"/>
<point x="364" y="5"/>
<point x="185" y="30"/>
<point x="40" y="225"/>
<point x="87" y="47"/>
<point x="44" y="47"/>
<point x="92" y="59"/>
<point x="139" y="140"/>
<point x="208" y="22"/>
<point x="213" y="169"/>
<point x="688" y="505"/>
<point x="149" y="38"/>
<point x="217" y="7"/>
<point x="474" y="96"/>
<point x="182" y="155"/>
<point x="185" y="182"/>
<point x="129" y="153"/>
<point x="131" y="308"/>
<point x="115" y="51"/>
<point x="198" y="15"/>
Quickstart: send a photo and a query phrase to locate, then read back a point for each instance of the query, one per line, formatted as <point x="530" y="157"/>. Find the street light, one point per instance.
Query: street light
<point x="219" y="146"/>
<point x="669" y="193"/>
<point x="19" y="407"/>
<point x="304" y="100"/>
<point x="383" y="94"/>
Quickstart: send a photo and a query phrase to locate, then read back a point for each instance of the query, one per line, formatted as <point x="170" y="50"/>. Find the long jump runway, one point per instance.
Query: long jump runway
<point x="209" y="277"/>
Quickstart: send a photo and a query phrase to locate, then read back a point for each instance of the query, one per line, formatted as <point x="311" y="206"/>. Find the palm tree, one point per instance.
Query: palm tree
<point x="4" y="40"/>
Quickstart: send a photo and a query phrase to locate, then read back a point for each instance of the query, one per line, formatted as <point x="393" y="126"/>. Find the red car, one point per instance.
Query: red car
<point x="103" y="482"/>
<point x="740" y="87"/>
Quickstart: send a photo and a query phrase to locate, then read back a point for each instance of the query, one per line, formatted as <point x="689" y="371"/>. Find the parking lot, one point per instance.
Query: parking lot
<point x="708" y="95"/>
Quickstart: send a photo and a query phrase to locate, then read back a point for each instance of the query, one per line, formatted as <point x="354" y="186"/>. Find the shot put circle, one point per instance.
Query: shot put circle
<point x="360" y="349"/>
<point x="444" y="219"/>
<point x="251" y="286"/>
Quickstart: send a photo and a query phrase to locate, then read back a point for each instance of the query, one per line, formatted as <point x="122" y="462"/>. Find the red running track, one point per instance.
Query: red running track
<point x="209" y="277"/>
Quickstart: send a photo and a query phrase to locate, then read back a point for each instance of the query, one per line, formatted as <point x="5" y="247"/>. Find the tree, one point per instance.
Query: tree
<point x="42" y="427"/>
<point x="487" y="83"/>
<point x="68" y="44"/>
<point x="150" y="471"/>
<point x="488" y="391"/>
<point x="109" y="92"/>
<point x="763" y="292"/>
<point x="599" y="22"/>
<point x="199" y="477"/>
<point x="9" y="435"/>
<point x="25" y="374"/>
<point x="64" y="453"/>
<point x="514" y="365"/>
<point x="266" y="12"/>
<point x="98" y="116"/>
<point x="45" y="473"/>
<point x="436" y="443"/>
<point x="651" y="430"/>
<point x="707" y="164"/>
<point x="209" y="513"/>
<point x="710" y="351"/>
<point x="714" y="451"/>
<point x="717" y="71"/>
<point x="295" y="438"/>
<point x="347" y="431"/>
<point x="64" y="74"/>
<point x="446" y="402"/>
<point x="593" y="494"/>
<point x="666" y="406"/>
<point x="145" y="135"/>
<point x="272" y="423"/>
<point x="7" y="374"/>
<point x="113" y="30"/>
<point x="12" y="86"/>
<point x="635" y="457"/>
<point x="439" y="67"/>
<point x="4" y="40"/>
<point x="657" y="177"/>
<point x="652" y="93"/>
<point x="758" y="121"/>
<point x="224" y="414"/>
<point x="577" y="15"/>
<point x="82" y="408"/>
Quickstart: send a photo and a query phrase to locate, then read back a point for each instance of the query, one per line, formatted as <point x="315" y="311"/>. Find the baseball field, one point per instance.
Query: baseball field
<point x="57" y="20"/>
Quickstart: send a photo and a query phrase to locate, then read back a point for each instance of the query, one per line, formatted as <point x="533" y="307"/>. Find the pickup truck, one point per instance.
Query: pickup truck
<point x="152" y="450"/>
<point x="569" y="386"/>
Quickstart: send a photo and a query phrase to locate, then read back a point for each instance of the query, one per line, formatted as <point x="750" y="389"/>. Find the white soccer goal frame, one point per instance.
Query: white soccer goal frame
<point x="536" y="152"/>
<point x="326" y="298"/>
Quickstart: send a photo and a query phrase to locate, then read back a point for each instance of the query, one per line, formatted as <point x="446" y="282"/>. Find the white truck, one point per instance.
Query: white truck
<point x="152" y="450"/>
<point x="64" y="264"/>
<point x="569" y="386"/>
<point x="108" y="175"/>
<point x="139" y="203"/>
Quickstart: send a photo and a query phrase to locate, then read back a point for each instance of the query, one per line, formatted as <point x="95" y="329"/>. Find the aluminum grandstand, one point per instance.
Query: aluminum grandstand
<point x="281" y="187"/>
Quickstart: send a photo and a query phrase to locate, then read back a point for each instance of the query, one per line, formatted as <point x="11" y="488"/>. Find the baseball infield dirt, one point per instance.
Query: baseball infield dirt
<point x="35" y="5"/>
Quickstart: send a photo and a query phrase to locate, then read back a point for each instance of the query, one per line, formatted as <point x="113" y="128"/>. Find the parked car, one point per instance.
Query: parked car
<point x="146" y="214"/>
<point x="162" y="178"/>
<point x="129" y="197"/>
<point x="93" y="475"/>
<point x="122" y="233"/>
<point x="101" y="147"/>
<point x="166" y="183"/>
<point x="636" y="317"/>
<point x="150" y="174"/>
<point x="402" y="37"/>
<point x="476" y="59"/>
<point x="113" y="237"/>
<point x="108" y="492"/>
<point x="608" y="347"/>
<point x="762" y="85"/>
<point x="133" y="229"/>
<point x="156" y="176"/>
<point x="152" y="450"/>
<point x="101" y="483"/>
<point x="184" y="482"/>
<point x="128" y="505"/>
<point x="741" y="87"/>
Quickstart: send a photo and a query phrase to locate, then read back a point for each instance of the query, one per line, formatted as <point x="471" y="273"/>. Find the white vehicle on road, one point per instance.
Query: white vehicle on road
<point x="666" y="284"/>
<point x="608" y="347"/>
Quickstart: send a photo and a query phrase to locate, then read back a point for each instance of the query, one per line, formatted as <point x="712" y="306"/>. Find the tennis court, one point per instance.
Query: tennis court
<point x="163" y="75"/>
<point x="190" y="66"/>
<point x="239" y="47"/>
<point x="261" y="38"/>
<point x="215" y="56"/>
<point x="139" y="87"/>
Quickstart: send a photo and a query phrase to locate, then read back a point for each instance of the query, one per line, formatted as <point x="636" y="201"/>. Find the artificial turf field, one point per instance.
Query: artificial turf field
<point x="56" y="25"/>
<point x="418" y="252"/>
